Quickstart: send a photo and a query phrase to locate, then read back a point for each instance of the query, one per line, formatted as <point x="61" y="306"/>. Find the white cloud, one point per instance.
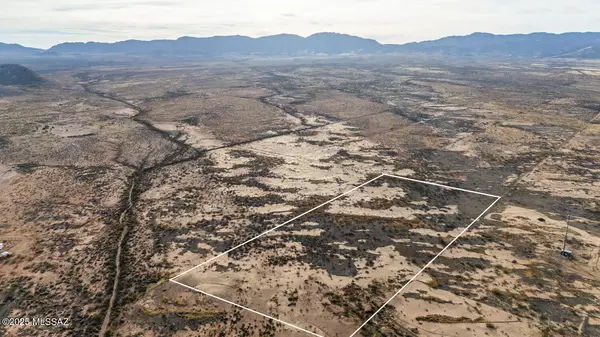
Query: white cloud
<point x="42" y="23"/>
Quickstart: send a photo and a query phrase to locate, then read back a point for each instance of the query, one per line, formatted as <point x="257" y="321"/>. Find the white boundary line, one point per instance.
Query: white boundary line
<point x="274" y="228"/>
<point x="422" y="269"/>
<point x="321" y="205"/>
<point x="243" y="307"/>
<point x="440" y="185"/>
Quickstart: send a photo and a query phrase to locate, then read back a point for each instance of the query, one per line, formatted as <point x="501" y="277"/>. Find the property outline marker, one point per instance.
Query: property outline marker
<point x="426" y="266"/>
<point x="278" y="226"/>
<point x="173" y="279"/>
<point x="243" y="307"/>
<point x="440" y="185"/>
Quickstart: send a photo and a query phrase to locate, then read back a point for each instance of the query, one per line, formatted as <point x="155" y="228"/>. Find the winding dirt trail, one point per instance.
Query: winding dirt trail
<point x="115" y="287"/>
<point x="168" y="161"/>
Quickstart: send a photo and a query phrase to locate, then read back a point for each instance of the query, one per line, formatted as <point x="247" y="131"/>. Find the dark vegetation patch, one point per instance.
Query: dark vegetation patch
<point x="307" y="133"/>
<point x="381" y="203"/>
<point x="352" y="300"/>
<point x="517" y="303"/>
<point x="464" y="264"/>
<point x="545" y="275"/>
<point x="318" y="254"/>
<point x="26" y="167"/>
<point x="51" y="301"/>
<point x="362" y="232"/>
<point x="229" y="267"/>
<point x="443" y="223"/>
<point x="90" y="173"/>
<point x="192" y="245"/>
<point x="435" y="165"/>
<point x="592" y="105"/>
<point x="438" y="222"/>
<point x="420" y="296"/>
<point x="256" y="245"/>
<point x="192" y="120"/>
<point x="281" y="82"/>
<point x="389" y="153"/>
<point x="343" y="155"/>
<point x="253" y="225"/>
<point x="358" y="303"/>
<point x="522" y="246"/>
<point x="253" y="182"/>
<point x="170" y="94"/>
<point x="314" y="142"/>
<point x="258" y="201"/>
<point x="469" y="204"/>
<point x="259" y="165"/>
<point x="578" y="298"/>
<point x="537" y="129"/>
<point x="43" y="267"/>
<point x="4" y="141"/>
<point x="411" y="114"/>
<point x="178" y="205"/>
<point x="281" y="260"/>
<point x="166" y="322"/>
<point x="451" y="127"/>
<point x="311" y="202"/>
<point x="322" y="167"/>
<point x="292" y="298"/>
<point x="554" y="206"/>
<point x="449" y="319"/>
<point x="514" y="303"/>
<point x="62" y="242"/>
<point x="553" y="311"/>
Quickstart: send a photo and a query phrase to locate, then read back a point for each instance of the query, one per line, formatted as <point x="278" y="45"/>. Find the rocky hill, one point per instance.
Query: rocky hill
<point x="14" y="74"/>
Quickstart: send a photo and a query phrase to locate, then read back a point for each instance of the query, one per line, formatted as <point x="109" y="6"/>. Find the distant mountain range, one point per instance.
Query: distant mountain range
<point x="14" y="48"/>
<point x="284" y="44"/>
<point x="576" y="45"/>
<point x="524" y="45"/>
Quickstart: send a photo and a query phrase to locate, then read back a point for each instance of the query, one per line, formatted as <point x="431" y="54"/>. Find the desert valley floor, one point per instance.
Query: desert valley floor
<point x="115" y="179"/>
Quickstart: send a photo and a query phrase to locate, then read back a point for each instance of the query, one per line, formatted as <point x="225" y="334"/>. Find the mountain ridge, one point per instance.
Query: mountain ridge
<point x="529" y="45"/>
<point x="18" y="49"/>
<point x="573" y="44"/>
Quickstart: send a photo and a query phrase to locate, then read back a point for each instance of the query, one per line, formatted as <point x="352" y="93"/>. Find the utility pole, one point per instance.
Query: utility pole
<point x="564" y="252"/>
<point x="566" y="232"/>
<point x="597" y="258"/>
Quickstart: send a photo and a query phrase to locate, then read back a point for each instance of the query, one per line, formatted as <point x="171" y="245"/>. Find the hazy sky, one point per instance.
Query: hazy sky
<point x="43" y="23"/>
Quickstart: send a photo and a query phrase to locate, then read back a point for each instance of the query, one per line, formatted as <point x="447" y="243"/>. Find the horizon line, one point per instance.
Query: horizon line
<point x="304" y="37"/>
